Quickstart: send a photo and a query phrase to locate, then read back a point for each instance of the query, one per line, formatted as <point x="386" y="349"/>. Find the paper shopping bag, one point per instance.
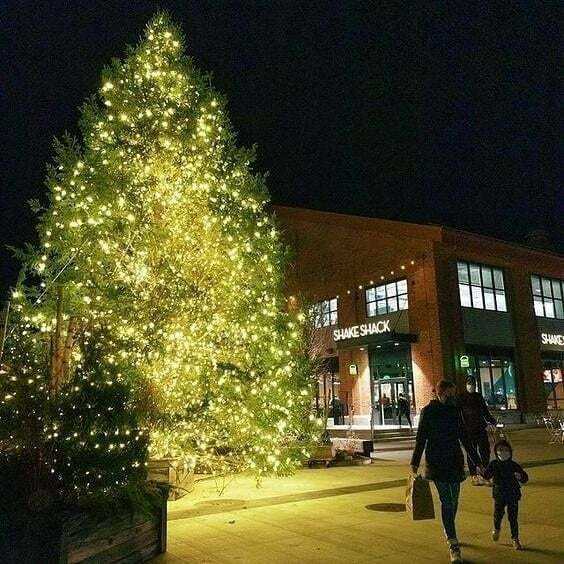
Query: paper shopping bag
<point x="418" y="499"/>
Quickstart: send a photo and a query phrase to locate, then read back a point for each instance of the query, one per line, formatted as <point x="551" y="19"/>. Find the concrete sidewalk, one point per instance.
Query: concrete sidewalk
<point x="356" y="514"/>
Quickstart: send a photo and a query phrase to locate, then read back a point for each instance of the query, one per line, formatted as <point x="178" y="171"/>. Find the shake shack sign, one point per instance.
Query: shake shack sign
<point x="554" y="341"/>
<point x="364" y="330"/>
<point x="551" y="334"/>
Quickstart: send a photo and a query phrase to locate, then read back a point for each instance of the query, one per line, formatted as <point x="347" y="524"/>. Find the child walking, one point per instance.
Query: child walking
<point x="507" y="478"/>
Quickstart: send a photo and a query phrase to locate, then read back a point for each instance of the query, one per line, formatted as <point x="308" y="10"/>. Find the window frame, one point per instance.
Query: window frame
<point x="552" y="400"/>
<point x="505" y="363"/>
<point x="321" y="318"/>
<point x="495" y="291"/>
<point x="384" y="300"/>
<point x="541" y="299"/>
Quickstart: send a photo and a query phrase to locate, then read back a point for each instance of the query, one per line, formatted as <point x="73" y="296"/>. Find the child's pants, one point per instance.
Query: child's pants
<point x="512" y="511"/>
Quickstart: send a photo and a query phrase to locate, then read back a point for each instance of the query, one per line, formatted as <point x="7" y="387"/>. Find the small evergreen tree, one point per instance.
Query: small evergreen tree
<point x="81" y="440"/>
<point x="157" y="230"/>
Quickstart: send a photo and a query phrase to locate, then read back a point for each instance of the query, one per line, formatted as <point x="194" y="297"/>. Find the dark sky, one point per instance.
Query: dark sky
<point x="442" y="112"/>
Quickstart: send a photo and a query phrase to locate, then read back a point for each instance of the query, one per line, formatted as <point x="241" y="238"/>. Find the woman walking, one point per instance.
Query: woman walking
<point x="439" y="434"/>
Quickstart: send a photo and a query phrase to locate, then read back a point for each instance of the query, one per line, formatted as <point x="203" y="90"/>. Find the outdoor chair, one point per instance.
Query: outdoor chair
<point x="555" y="430"/>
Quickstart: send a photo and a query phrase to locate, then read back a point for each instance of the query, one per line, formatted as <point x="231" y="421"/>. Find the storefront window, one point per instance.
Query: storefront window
<point x="481" y="286"/>
<point x="553" y="385"/>
<point x="328" y="387"/>
<point x="386" y="298"/>
<point x="325" y="313"/>
<point x="496" y="380"/>
<point x="548" y="294"/>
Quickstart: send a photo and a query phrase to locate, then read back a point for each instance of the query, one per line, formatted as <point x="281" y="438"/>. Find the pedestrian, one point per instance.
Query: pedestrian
<point x="476" y="417"/>
<point x="439" y="434"/>
<point x="507" y="478"/>
<point x="338" y="416"/>
<point x="404" y="409"/>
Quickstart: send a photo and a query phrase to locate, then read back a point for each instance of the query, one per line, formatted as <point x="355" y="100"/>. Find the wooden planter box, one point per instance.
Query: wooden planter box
<point x="167" y="471"/>
<point x="323" y="454"/>
<point x="48" y="537"/>
<point x="119" y="538"/>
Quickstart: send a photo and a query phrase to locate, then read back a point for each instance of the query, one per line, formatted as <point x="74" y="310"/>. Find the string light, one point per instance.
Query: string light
<point x="158" y="232"/>
<point x="382" y="277"/>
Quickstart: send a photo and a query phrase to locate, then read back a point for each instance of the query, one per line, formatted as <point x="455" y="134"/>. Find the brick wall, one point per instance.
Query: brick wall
<point x="335" y="254"/>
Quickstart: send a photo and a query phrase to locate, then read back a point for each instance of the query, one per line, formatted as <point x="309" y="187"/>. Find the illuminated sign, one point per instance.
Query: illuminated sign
<point x="464" y="361"/>
<point x="353" y="369"/>
<point x="552" y="339"/>
<point x="363" y="330"/>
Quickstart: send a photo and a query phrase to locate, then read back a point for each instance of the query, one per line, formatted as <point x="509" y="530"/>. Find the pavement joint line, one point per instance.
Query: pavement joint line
<point x="241" y="505"/>
<point x="536" y="463"/>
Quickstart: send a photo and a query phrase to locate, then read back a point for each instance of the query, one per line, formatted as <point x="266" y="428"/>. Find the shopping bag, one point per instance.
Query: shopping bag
<point x="418" y="499"/>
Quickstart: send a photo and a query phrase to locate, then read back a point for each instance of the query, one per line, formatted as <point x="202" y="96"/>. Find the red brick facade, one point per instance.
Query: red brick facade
<point x="339" y="255"/>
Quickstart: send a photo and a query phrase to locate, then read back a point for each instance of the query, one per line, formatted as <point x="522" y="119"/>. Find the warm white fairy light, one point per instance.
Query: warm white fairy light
<point x="157" y="230"/>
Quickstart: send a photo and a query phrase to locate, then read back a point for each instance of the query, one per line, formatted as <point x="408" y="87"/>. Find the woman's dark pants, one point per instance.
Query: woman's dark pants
<point x="482" y="445"/>
<point x="448" y="494"/>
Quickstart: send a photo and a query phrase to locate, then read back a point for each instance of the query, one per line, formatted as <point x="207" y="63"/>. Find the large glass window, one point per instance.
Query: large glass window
<point x="481" y="286"/>
<point x="325" y="313"/>
<point x="496" y="380"/>
<point x="553" y="385"/>
<point x="386" y="298"/>
<point x="548" y="296"/>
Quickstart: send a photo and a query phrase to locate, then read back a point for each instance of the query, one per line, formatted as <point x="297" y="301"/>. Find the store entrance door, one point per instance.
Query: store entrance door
<point x="386" y="393"/>
<point x="391" y="376"/>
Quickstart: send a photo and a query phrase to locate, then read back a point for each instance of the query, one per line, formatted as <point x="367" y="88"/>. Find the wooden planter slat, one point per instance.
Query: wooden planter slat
<point x="99" y="530"/>
<point x="108" y="537"/>
<point x="144" y="555"/>
<point x="135" y="549"/>
<point x="125" y="539"/>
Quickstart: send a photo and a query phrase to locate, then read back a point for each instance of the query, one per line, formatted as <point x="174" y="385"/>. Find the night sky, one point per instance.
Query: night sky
<point x="444" y="113"/>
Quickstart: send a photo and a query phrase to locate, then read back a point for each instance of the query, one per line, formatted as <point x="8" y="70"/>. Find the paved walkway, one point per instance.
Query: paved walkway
<point x="356" y="515"/>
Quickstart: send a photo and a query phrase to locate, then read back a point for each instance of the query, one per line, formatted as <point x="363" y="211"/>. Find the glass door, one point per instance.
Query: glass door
<point x="386" y="394"/>
<point x="391" y="375"/>
<point x="387" y="402"/>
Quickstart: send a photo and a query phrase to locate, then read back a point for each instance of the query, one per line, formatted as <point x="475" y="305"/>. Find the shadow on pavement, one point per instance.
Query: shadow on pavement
<point x="387" y="507"/>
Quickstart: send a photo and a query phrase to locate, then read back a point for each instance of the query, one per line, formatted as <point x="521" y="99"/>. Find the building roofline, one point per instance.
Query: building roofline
<point x="516" y="246"/>
<point x="432" y="231"/>
<point x="417" y="230"/>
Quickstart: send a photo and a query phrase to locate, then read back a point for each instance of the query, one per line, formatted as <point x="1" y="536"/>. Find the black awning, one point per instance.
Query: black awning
<point x="375" y="340"/>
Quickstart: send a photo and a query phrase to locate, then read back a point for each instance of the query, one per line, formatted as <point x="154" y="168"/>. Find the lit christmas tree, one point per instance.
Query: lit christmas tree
<point x="72" y="439"/>
<point x="158" y="233"/>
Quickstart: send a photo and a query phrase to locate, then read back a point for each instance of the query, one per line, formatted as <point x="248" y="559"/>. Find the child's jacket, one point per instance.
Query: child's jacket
<point x="505" y="486"/>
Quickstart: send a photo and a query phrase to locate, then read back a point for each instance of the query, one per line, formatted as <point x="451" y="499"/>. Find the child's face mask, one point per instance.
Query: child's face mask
<point x="503" y="455"/>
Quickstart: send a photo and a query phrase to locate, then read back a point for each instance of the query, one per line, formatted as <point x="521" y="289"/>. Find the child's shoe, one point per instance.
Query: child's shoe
<point x="517" y="544"/>
<point x="495" y="535"/>
<point x="454" y="549"/>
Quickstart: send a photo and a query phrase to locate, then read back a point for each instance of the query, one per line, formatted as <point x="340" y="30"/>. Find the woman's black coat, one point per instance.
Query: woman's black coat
<point x="439" y="434"/>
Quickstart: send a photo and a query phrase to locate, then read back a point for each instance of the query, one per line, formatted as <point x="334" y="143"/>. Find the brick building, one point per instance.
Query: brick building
<point x="400" y="306"/>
